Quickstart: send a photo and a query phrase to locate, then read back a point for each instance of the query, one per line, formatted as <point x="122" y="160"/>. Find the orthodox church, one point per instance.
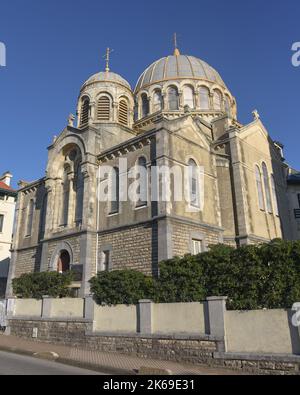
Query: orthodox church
<point x="180" y="113"/>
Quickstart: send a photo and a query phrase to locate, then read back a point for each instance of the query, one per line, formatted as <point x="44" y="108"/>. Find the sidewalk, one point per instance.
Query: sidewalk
<point x="112" y="363"/>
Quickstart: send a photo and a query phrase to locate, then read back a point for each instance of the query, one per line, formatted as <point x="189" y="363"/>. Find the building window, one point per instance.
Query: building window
<point x="267" y="188"/>
<point x="188" y="96"/>
<point x="217" y="100"/>
<point x="103" y="109"/>
<point x="106" y="260"/>
<point x="227" y="106"/>
<point x="298" y="199"/>
<point x="274" y="194"/>
<point x="197" y="246"/>
<point x="204" y="98"/>
<point x="2" y="196"/>
<point x="142" y="190"/>
<point x="78" y="188"/>
<point x="145" y="105"/>
<point x="173" y="99"/>
<point x="193" y="184"/>
<point x="1" y="222"/>
<point x="114" y="192"/>
<point x="157" y="101"/>
<point x="123" y="112"/>
<point x="65" y="197"/>
<point x="30" y="217"/>
<point x="259" y="187"/>
<point x="85" y="109"/>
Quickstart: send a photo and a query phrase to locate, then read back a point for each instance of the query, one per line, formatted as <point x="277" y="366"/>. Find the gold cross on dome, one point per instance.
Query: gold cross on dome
<point x="107" y="58"/>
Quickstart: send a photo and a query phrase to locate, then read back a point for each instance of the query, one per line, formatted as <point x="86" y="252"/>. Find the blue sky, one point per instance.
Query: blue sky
<point x="54" y="46"/>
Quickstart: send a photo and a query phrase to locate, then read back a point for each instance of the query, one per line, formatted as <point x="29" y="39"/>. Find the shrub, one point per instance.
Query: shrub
<point x="121" y="287"/>
<point x="180" y="280"/>
<point x="37" y="285"/>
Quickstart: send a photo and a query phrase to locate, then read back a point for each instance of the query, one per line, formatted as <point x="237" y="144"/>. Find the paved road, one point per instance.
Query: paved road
<point x="14" y="364"/>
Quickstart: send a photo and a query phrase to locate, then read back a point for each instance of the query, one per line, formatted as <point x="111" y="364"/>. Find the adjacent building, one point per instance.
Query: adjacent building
<point x="7" y="212"/>
<point x="180" y="114"/>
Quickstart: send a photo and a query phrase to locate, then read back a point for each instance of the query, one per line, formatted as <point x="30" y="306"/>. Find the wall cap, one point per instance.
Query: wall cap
<point x="216" y="298"/>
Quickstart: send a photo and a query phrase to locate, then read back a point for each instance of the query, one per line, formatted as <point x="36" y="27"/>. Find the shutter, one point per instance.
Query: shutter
<point x="123" y="112"/>
<point x="103" y="109"/>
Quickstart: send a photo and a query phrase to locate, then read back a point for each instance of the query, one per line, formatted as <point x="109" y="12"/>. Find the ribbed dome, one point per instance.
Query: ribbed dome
<point x="178" y="67"/>
<point x="107" y="76"/>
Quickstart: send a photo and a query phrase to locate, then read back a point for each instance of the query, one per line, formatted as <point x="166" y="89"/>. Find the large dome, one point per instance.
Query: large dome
<point x="178" y="67"/>
<point x="107" y="76"/>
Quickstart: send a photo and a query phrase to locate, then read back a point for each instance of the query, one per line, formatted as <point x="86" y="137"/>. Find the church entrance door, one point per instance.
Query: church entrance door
<point x="63" y="264"/>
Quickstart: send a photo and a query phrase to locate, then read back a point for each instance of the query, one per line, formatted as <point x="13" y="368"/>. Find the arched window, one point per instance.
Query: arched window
<point x="85" y="110"/>
<point x="65" y="196"/>
<point x="267" y="187"/>
<point x="274" y="193"/>
<point x="228" y="106"/>
<point x="204" y="98"/>
<point x="30" y="217"/>
<point x="103" y="109"/>
<point x="173" y="99"/>
<point x="157" y="101"/>
<point x="142" y="190"/>
<point x="145" y="105"/>
<point x="123" y="112"/>
<point x="78" y="187"/>
<point x="115" y="193"/>
<point x="188" y="96"/>
<point x="217" y="100"/>
<point x="194" y="192"/>
<point x="63" y="264"/>
<point x="259" y="187"/>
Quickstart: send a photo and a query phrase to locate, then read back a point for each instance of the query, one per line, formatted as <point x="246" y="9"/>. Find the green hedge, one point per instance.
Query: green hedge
<point x="37" y="285"/>
<point x="253" y="277"/>
<point x="121" y="287"/>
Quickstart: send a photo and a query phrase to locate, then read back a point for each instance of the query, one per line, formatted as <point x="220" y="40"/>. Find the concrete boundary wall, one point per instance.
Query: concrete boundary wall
<point x="248" y="332"/>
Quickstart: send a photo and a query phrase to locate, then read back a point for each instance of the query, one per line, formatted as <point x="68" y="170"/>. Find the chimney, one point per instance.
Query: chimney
<point x="6" y="177"/>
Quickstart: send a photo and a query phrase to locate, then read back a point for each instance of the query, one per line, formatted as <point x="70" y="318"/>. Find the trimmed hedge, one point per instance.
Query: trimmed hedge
<point x="253" y="277"/>
<point x="37" y="285"/>
<point x="121" y="287"/>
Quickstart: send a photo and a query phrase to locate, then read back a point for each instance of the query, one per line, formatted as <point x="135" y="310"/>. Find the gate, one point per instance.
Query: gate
<point x="2" y="313"/>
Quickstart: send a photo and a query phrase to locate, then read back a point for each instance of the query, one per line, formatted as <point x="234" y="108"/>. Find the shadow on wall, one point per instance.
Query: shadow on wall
<point x="294" y="332"/>
<point x="4" y="266"/>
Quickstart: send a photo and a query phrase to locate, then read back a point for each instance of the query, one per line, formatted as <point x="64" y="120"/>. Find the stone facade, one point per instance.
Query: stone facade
<point x="172" y="121"/>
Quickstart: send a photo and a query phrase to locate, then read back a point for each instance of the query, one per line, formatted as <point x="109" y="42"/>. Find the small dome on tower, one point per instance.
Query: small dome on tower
<point x="106" y="76"/>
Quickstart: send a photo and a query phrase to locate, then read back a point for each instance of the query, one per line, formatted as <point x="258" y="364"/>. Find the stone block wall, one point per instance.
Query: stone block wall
<point x="28" y="261"/>
<point x="132" y="247"/>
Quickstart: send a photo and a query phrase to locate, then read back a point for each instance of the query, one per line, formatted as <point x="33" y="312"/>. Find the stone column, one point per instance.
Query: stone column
<point x="216" y="314"/>
<point x="72" y="201"/>
<point x="89" y="211"/>
<point x="296" y="316"/>
<point x="145" y="325"/>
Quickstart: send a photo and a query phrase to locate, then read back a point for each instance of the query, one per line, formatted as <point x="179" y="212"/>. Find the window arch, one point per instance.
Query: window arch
<point x="194" y="187"/>
<point x="228" y="105"/>
<point x="65" y="196"/>
<point x="157" y="101"/>
<point x="103" y="108"/>
<point x="188" y="96"/>
<point x="217" y="100"/>
<point x="142" y="190"/>
<point x="267" y="187"/>
<point x="173" y="99"/>
<point x="115" y="193"/>
<point x="30" y="217"/>
<point x="145" y="105"/>
<point x="123" y="112"/>
<point x="204" y="98"/>
<point x="274" y="193"/>
<point x="85" y="110"/>
<point x="261" y="202"/>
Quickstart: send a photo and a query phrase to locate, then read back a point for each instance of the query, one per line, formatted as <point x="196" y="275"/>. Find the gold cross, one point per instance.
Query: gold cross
<point x="107" y="58"/>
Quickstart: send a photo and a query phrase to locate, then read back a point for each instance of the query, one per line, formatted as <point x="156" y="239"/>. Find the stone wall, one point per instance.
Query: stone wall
<point x="28" y="261"/>
<point x="193" y="350"/>
<point x="132" y="247"/>
<point x="183" y="233"/>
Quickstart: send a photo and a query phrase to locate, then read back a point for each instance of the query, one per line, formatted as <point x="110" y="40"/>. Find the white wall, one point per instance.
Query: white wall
<point x="7" y="208"/>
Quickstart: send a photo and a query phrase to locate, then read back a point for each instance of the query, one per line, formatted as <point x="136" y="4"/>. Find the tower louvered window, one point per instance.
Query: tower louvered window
<point x="85" y="108"/>
<point x="103" y="109"/>
<point x="123" y="112"/>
